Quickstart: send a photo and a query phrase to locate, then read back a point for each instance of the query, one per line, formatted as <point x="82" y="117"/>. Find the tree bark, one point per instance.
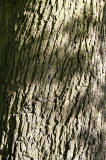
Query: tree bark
<point x="52" y="76"/>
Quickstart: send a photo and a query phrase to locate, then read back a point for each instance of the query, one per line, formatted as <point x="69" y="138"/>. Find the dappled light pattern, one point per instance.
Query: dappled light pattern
<point x="52" y="75"/>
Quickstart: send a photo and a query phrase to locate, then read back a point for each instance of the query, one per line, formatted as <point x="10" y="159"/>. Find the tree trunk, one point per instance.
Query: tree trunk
<point x="52" y="76"/>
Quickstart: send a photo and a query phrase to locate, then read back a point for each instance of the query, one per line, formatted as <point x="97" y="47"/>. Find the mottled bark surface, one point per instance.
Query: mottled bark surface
<point x="52" y="80"/>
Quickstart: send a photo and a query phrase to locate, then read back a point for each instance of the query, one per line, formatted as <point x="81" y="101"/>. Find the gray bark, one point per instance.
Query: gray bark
<point x="52" y="76"/>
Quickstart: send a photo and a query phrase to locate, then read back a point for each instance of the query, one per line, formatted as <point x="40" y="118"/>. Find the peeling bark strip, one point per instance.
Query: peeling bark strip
<point x="52" y="78"/>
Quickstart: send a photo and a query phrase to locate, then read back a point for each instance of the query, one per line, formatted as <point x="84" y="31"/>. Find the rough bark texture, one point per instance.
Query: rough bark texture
<point x="52" y="79"/>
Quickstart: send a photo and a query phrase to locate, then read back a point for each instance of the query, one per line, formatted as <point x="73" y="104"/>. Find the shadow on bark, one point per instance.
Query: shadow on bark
<point x="8" y="16"/>
<point x="27" y="65"/>
<point x="31" y="64"/>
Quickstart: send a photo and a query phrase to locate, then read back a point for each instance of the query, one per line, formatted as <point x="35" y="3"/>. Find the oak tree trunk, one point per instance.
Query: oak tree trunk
<point x="52" y="79"/>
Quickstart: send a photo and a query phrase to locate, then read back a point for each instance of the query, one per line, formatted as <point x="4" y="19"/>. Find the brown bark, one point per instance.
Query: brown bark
<point x="52" y="75"/>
